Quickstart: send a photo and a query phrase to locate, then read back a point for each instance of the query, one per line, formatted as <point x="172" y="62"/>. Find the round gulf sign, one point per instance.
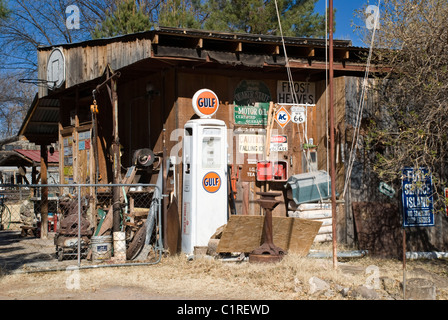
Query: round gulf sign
<point x="205" y="103"/>
<point x="211" y="182"/>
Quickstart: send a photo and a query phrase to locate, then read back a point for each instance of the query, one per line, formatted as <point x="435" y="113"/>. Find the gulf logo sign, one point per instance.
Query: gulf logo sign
<point x="211" y="182"/>
<point x="205" y="103"/>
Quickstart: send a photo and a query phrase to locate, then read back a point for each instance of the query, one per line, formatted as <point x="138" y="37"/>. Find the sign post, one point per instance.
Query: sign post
<point x="417" y="202"/>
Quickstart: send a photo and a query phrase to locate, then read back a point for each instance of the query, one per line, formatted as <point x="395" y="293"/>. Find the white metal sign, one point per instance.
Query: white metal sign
<point x="298" y="114"/>
<point x="251" y="143"/>
<point x="279" y="143"/>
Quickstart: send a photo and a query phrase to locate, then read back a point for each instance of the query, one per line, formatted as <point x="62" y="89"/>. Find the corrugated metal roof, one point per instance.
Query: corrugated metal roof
<point x="34" y="155"/>
<point x="41" y="120"/>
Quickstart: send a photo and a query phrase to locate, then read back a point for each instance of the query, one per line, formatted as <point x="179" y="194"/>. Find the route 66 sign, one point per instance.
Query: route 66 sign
<point x="298" y="114"/>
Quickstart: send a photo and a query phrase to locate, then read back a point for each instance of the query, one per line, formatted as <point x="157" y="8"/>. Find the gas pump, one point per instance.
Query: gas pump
<point x="204" y="207"/>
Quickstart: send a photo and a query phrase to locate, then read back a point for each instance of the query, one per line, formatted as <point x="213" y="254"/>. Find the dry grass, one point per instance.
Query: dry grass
<point x="177" y="278"/>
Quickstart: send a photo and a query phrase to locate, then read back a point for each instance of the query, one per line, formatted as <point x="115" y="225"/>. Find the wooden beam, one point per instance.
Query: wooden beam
<point x="342" y="54"/>
<point x="49" y="108"/>
<point x="199" y="43"/>
<point x="155" y="39"/>
<point x="322" y="66"/>
<point x="310" y="52"/>
<point x="239" y="47"/>
<point x="44" y="123"/>
<point x="44" y="192"/>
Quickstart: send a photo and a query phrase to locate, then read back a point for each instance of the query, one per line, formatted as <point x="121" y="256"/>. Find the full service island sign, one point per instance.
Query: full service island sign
<point x="417" y="198"/>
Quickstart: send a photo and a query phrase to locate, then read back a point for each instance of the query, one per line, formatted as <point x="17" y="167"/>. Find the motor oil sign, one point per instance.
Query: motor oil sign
<point x="417" y="198"/>
<point x="211" y="182"/>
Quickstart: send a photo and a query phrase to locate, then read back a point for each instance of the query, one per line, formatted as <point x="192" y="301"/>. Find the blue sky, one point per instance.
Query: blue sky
<point x="344" y="18"/>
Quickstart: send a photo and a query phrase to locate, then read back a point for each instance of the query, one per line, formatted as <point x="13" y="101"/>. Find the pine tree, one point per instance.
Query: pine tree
<point x="260" y="17"/>
<point x="126" y="18"/>
<point x="179" y="14"/>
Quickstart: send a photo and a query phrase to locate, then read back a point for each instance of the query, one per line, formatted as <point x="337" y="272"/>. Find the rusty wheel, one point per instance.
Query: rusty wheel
<point x="136" y="244"/>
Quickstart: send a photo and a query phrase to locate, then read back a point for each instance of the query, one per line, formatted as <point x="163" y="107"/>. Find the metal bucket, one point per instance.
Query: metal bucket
<point x="101" y="248"/>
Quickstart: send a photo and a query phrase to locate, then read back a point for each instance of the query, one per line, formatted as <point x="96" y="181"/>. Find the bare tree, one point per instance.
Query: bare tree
<point x="27" y="25"/>
<point x="410" y="127"/>
<point x="31" y="24"/>
<point x="15" y="99"/>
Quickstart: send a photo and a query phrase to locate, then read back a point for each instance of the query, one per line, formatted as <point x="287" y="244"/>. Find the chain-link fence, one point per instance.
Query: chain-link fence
<point x="50" y="227"/>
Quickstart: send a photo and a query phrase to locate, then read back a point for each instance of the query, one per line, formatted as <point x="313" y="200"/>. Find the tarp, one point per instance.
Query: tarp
<point x="309" y="187"/>
<point x="223" y="57"/>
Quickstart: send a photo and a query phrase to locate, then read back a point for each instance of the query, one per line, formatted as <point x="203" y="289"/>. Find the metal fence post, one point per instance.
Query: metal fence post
<point x="79" y="226"/>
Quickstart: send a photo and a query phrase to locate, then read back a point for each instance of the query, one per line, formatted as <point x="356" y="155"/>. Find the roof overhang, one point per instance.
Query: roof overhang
<point x="40" y="125"/>
<point x="26" y="158"/>
<point x="189" y="50"/>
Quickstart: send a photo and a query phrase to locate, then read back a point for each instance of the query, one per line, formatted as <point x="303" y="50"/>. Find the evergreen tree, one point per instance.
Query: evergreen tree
<point x="260" y="17"/>
<point x="180" y="14"/>
<point x="126" y="18"/>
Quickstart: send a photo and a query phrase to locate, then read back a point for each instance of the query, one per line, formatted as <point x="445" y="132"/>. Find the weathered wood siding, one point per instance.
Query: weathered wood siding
<point x="84" y="63"/>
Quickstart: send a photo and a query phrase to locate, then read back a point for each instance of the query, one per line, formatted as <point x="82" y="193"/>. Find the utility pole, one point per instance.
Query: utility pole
<point x="332" y="147"/>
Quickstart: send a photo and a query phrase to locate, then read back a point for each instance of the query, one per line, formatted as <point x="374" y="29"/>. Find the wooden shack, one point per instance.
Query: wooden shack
<point x="142" y="86"/>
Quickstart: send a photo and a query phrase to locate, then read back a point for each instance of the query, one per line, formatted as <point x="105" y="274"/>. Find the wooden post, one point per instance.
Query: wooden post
<point x="116" y="156"/>
<point x="164" y="190"/>
<point x="404" y="263"/>
<point x="246" y="190"/>
<point x="44" y="192"/>
<point x="332" y="142"/>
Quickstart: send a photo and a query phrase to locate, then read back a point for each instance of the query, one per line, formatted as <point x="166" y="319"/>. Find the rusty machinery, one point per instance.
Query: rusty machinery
<point x="268" y="251"/>
<point x="71" y="227"/>
<point x="136" y="233"/>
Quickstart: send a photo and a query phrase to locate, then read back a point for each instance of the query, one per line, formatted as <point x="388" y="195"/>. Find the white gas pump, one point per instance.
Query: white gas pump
<point x="204" y="207"/>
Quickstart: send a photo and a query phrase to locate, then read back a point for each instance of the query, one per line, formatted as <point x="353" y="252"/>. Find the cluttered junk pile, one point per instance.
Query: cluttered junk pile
<point x="259" y="238"/>
<point x="79" y="233"/>
<point x="138" y="207"/>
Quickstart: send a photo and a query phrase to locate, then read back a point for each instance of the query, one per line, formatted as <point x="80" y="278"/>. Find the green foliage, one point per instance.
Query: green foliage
<point x="260" y="17"/>
<point x="180" y="14"/>
<point x="126" y="18"/>
<point x="250" y="16"/>
<point x="4" y="12"/>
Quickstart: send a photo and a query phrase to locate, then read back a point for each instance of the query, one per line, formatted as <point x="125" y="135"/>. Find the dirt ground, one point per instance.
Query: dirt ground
<point x="205" y="278"/>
